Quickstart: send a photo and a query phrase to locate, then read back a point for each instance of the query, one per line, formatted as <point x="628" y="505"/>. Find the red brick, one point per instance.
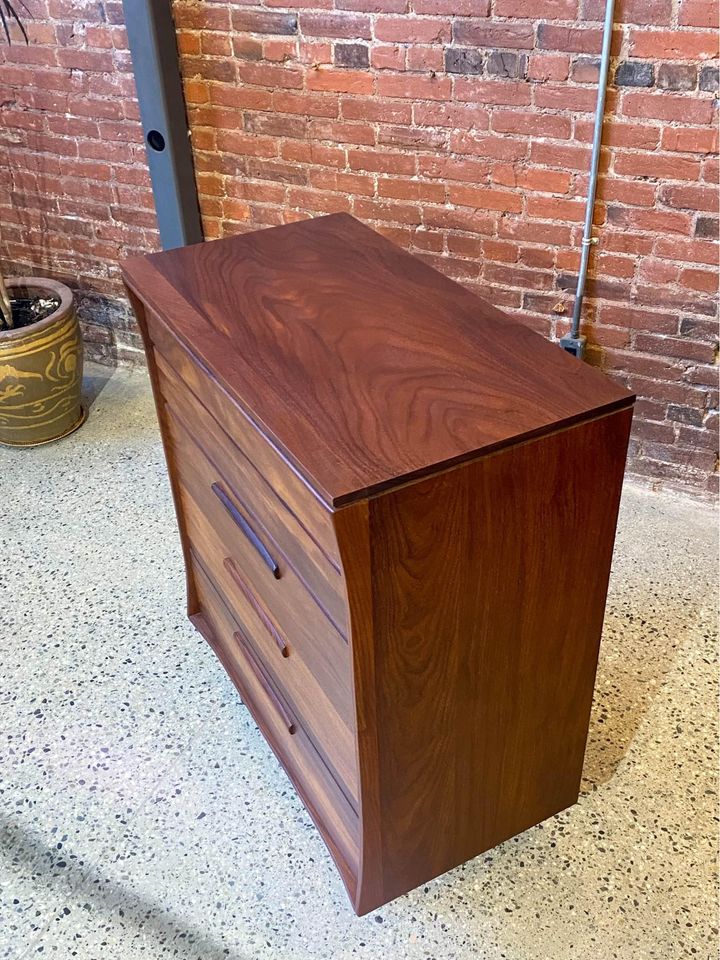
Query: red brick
<point x="545" y="208"/>
<point x="393" y="212"/>
<point x="673" y="44"/>
<point x="264" y="21"/>
<point x="356" y="133"/>
<point x="414" y="87"/>
<point x="653" y="221"/>
<point x="412" y="29"/>
<point x="455" y="8"/>
<point x="562" y="156"/>
<point x="349" y="183"/>
<point x="699" y="13"/>
<point x="415" y="138"/>
<point x="453" y="115"/>
<point x="368" y="6"/>
<point x="690" y="197"/>
<point x="448" y="168"/>
<point x="485" y="33"/>
<point x="378" y="162"/>
<point x="690" y="140"/>
<point x="411" y="190"/>
<point x="484" y="199"/>
<point x="311" y="105"/>
<point x="488" y="145"/>
<point x="651" y="12"/>
<point x="375" y="111"/>
<point x="271" y="76"/>
<point x="343" y="26"/>
<point x="551" y="9"/>
<point x="533" y="124"/>
<point x="319" y="201"/>
<point x="656" y="166"/>
<point x="565" y="97"/>
<point x="569" y="39"/>
<point x="388" y="57"/>
<point x="691" y="251"/>
<point x="665" y="106"/>
<point x="340" y="81"/>
<point x="492" y="92"/>
<point x="315" y="153"/>
<point x="424" y="58"/>
<point x="632" y="193"/>
<point x="622" y="134"/>
<point x="651" y="306"/>
<point x="192" y="16"/>
<point x="232" y="141"/>
<point x="705" y="280"/>
<point x="548" y="66"/>
<point x="89" y="60"/>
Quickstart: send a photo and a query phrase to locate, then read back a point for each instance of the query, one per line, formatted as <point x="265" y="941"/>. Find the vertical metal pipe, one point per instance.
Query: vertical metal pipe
<point x="587" y="240"/>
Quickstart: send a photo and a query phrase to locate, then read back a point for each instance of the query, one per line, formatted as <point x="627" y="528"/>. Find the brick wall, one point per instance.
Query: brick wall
<point x="460" y="128"/>
<point x="74" y="189"/>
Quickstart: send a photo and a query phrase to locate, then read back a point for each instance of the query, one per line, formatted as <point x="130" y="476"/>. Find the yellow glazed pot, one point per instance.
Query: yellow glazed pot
<point x="41" y="369"/>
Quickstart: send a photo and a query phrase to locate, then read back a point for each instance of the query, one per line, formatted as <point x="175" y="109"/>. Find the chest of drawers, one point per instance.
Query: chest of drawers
<point x="397" y="508"/>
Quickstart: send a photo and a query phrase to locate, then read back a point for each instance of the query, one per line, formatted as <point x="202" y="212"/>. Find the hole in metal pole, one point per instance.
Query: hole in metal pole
<point x="156" y="140"/>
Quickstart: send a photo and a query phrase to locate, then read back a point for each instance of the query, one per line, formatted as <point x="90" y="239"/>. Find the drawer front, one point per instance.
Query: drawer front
<point x="283" y="661"/>
<point x="333" y="815"/>
<point x="266" y="594"/>
<point x="286" y="532"/>
<point x="287" y="483"/>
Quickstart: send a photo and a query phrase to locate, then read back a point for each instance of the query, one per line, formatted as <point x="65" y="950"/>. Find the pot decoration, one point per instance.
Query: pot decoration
<point x="41" y="364"/>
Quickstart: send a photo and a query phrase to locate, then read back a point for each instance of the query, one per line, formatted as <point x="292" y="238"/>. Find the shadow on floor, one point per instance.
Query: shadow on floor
<point x="95" y="379"/>
<point x="625" y="689"/>
<point x="72" y="880"/>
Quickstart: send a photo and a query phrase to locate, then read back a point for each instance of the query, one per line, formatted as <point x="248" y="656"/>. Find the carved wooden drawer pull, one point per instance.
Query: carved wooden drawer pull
<point x="264" y="681"/>
<point x="240" y="520"/>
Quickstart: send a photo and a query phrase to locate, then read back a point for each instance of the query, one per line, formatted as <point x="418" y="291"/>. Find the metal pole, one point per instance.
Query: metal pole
<point x="153" y="47"/>
<point x="588" y="240"/>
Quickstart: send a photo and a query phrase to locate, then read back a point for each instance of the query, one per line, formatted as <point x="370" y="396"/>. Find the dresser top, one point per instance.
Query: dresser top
<point x="362" y="364"/>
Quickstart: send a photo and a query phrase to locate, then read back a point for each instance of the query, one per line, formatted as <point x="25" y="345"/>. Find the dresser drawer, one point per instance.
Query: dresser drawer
<point x="283" y="659"/>
<point x="279" y="610"/>
<point x="330" y="810"/>
<point x="318" y="573"/>
<point x="289" y="486"/>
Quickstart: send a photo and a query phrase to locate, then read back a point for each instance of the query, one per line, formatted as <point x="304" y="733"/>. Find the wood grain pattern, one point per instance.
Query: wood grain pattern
<point x="488" y="593"/>
<point x="299" y="498"/>
<point x="364" y="365"/>
<point x="437" y="490"/>
<point x="330" y="811"/>
<point x="317" y="672"/>
<point x="277" y="522"/>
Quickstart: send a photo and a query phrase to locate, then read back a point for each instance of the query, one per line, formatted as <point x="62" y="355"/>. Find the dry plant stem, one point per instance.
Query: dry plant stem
<point x="5" y="308"/>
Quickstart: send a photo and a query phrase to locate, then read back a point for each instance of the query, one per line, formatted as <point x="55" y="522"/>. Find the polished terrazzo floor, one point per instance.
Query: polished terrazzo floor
<point x="142" y="816"/>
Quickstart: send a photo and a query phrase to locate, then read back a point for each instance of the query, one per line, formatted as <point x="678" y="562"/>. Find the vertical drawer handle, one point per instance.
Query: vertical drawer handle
<point x="246" y="529"/>
<point x="231" y="568"/>
<point x="262" y="678"/>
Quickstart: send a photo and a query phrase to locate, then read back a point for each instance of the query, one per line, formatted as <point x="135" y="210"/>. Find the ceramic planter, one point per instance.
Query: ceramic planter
<point x="41" y="370"/>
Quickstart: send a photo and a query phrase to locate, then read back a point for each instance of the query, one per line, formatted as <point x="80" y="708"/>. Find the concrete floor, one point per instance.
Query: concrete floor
<point x="142" y="815"/>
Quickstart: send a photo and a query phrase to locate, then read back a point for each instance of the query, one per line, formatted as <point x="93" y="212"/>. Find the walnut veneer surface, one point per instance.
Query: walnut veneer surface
<point x="397" y="508"/>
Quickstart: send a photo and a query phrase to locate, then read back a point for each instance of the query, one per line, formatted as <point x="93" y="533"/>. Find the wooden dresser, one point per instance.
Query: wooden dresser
<point x="397" y="508"/>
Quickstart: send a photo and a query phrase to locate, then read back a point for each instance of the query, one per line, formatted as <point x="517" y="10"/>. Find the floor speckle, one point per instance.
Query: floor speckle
<point x="143" y="816"/>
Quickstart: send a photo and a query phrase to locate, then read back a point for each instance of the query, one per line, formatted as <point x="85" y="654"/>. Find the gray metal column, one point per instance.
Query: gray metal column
<point x="153" y="46"/>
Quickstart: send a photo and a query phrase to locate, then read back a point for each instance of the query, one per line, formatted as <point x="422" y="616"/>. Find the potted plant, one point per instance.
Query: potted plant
<point x="41" y="354"/>
<point x="41" y="359"/>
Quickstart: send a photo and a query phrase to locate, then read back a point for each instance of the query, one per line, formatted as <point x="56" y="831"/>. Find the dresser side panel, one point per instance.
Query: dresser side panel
<point x="139" y="310"/>
<point x="489" y="585"/>
<point x="353" y="538"/>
